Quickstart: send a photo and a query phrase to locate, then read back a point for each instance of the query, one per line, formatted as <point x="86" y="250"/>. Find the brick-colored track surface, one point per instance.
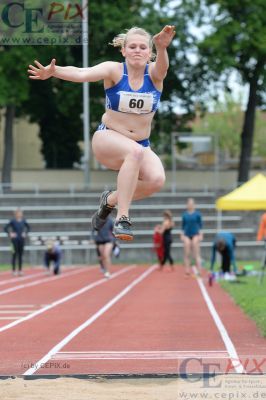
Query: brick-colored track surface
<point x="159" y="325"/>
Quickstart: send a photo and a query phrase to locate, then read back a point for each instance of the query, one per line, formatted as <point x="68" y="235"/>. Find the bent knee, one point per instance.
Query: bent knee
<point x="136" y="153"/>
<point x="157" y="182"/>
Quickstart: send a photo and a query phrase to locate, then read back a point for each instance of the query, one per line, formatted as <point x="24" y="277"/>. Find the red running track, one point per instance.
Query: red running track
<point x="141" y="321"/>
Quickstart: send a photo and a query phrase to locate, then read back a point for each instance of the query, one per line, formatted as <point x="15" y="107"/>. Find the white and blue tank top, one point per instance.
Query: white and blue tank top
<point x="122" y="98"/>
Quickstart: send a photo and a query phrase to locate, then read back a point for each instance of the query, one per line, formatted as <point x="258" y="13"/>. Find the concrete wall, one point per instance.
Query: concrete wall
<point x="87" y="257"/>
<point x="27" y="145"/>
<point x="64" y="179"/>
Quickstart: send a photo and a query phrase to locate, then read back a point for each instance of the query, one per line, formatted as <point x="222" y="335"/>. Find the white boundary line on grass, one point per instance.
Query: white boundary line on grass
<point x="89" y="321"/>
<point x="64" y="299"/>
<point x="239" y="368"/>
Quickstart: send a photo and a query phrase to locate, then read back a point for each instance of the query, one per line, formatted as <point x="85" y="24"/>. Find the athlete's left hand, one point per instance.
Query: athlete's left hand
<point x="165" y="37"/>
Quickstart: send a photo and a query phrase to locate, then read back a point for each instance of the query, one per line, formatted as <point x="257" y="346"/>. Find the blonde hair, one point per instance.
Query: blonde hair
<point x="121" y="39"/>
<point x="168" y="214"/>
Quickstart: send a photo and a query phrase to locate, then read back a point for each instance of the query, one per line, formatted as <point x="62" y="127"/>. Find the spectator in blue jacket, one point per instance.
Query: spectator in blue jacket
<point x="191" y="235"/>
<point x="17" y="229"/>
<point x="225" y="244"/>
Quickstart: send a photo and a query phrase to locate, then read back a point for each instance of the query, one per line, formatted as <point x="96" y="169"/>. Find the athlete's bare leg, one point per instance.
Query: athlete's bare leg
<point x="140" y="170"/>
<point x="106" y="250"/>
<point x="196" y="251"/>
<point x="187" y="253"/>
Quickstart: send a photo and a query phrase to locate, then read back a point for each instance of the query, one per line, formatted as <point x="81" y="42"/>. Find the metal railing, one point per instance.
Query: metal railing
<point x="36" y="189"/>
<point x="72" y="188"/>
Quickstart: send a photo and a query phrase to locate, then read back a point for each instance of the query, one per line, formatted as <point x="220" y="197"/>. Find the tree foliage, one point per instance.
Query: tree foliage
<point x="56" y="106"/>
<point x="14" y="90"/>
<point x="235" y="39"/>
<point x="225" y="121"/>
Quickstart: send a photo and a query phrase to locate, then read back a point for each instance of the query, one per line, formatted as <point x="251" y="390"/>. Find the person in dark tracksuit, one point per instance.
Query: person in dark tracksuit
<point x="17" y="230"/>
<point x="52" y="254"/>
<point x="167" y="227"/>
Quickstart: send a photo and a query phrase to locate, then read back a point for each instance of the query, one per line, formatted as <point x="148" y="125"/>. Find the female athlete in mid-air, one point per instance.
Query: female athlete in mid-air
<point x="121" y="142"/>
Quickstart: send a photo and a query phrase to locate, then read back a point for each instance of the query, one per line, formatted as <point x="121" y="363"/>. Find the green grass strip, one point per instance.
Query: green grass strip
<point x="250" y="295"/>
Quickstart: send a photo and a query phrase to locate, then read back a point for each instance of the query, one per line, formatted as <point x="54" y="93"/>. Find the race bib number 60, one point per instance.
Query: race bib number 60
<point x="136" y="103"/>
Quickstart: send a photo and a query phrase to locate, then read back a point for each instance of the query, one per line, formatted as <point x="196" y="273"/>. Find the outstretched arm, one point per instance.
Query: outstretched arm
<point x="161" y="41"/>
<point x="73" y="74"/>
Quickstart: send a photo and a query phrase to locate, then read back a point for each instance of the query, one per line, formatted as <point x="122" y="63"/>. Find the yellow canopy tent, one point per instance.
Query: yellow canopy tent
<point x="249" y="196"/>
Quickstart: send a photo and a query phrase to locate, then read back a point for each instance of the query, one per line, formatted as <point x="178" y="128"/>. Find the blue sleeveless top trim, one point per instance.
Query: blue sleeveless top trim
<point x="122" y="98"/>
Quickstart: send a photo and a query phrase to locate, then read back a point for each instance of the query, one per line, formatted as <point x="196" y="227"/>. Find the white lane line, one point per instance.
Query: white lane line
<point x="239" y="368"/>
<point x="26" y="269"/>
<point x="21" y="278"/>
<point x="64" y="299"/>
<point x="37" y="282"/>
<point x="5" y="272"/>
<point x="89" y="321"/>
<point x="139" y="355"/>
<point x="18" y="305"/>
<point x="14" y="312"/>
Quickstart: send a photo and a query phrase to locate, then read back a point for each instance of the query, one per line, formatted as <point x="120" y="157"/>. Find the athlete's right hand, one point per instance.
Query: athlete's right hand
<point x="41" y="72"/>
